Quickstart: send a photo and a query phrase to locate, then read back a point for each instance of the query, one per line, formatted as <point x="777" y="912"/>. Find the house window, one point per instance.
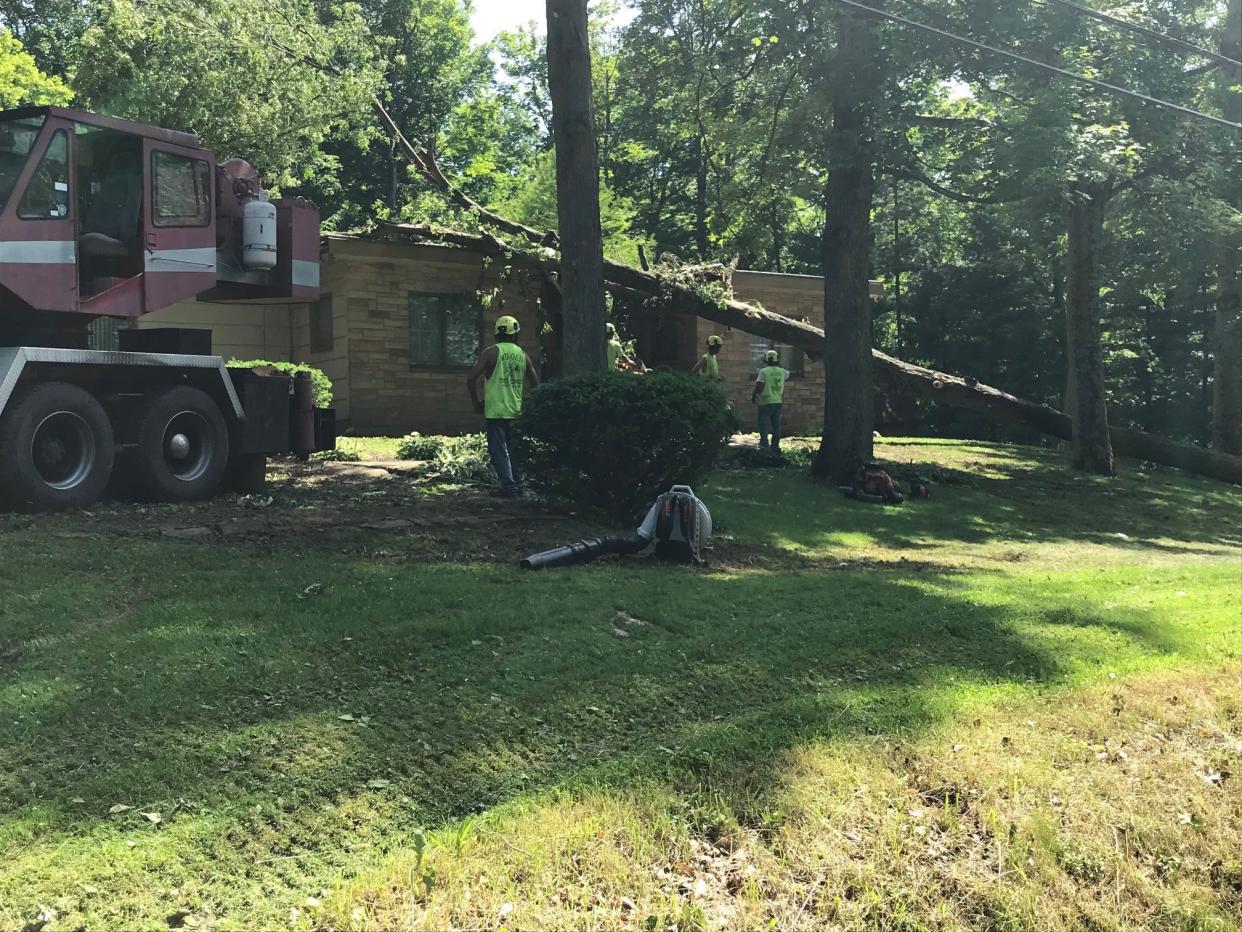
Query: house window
<point x="321" y="337"/>
<point x="445" y="330"/>
<point x="791" y="357"/>
<point x="180" y="190"/>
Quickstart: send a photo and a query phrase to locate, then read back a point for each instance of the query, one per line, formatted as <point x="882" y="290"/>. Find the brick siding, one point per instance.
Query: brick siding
<point x="370" y="285"/>
<point x="378" y="392"/>
<point x="798" y="296"/>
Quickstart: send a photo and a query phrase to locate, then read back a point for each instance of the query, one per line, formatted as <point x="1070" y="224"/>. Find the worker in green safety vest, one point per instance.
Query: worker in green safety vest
<point x="505" y="368"/>
<point x="769" y="394"/>
<point x="708" y="365"/>
<point x="618" y="359"/>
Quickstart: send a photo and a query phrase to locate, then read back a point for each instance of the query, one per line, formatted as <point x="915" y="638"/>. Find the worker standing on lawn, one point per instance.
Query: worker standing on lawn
<point x="708" y="365"/>
<point x="505" y="368"/>
<point x="769" y="393"/>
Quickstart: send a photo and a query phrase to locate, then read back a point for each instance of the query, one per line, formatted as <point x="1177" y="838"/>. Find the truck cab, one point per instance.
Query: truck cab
<point x="103" y="217"/>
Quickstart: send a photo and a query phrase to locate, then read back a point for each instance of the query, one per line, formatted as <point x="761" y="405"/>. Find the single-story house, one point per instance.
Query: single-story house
<point x="398" y="324"/>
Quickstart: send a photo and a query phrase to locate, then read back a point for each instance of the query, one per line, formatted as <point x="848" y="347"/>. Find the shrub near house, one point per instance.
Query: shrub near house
<point x="615" y="441"/>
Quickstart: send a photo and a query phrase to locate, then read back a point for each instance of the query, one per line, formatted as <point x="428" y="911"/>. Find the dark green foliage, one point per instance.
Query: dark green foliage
<point x="464" y="459"/>
<point x="322" y="384"/>
<point x="455" y="459"/>
<point x="417" y="446"/>
<point x="756" y="458"/>
<point x="615" y="441"/>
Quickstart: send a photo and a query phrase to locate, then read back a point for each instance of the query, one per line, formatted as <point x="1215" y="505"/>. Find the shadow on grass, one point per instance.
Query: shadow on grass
<point x="292" y="700"/>
<point x="400" y="698"/>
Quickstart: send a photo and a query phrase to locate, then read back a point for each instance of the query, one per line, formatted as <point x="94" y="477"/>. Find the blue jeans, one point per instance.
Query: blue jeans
<point x="508" y="470"/>
<point x="770" y="418"/>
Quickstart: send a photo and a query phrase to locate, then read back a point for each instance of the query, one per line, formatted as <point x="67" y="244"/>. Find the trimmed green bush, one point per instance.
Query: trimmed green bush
<point x="322" y="384"/>
<point x="615" y="440"/>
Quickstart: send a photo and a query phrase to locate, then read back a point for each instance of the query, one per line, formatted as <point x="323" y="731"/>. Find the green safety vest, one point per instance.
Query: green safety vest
<point x="773" y="385"/>
<point x="711" y="367"/>
<point x="615" y="352"/>
<point x="502" y="392"/>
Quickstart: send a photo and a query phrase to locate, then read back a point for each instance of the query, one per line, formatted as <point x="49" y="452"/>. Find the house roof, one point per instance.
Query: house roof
<point x="390" y="243"/>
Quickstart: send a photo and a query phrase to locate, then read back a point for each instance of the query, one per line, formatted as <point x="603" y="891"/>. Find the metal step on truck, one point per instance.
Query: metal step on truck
<point x="101" y="217"/>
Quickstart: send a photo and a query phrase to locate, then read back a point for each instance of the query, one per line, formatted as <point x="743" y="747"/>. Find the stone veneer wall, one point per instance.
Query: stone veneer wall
<point x="379" y="393"/>
<point x="798" y="296"/>
<point x="370" y="284"/>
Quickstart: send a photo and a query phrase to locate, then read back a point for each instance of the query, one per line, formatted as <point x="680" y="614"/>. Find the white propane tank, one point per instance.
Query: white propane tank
<point x="259" y="235"/>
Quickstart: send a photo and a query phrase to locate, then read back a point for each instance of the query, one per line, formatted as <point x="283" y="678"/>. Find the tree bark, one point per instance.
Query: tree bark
<point x="701" y="240"/>
<point x="656" y="293"/>
<point x="1092" y="446"/>
<point x="577" y="186"/>
<point x="1227" y="364"/>
<point x="849" y="415"/>
<point x="1227" y="351"/>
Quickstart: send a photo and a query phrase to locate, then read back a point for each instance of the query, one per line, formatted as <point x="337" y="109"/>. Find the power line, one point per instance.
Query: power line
<point x="1152" y="33"/>
<point x="1102" y="85"/>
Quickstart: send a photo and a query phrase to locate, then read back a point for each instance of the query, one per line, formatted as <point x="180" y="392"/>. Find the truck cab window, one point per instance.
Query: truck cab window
<point x="17" y="138"/>
<point x="47" y="195"/>
<point x="108" y="166"/>
<point x="180" y="191"/>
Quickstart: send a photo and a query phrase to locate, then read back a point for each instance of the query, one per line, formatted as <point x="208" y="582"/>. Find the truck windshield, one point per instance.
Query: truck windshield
<point x="17" y="137"/>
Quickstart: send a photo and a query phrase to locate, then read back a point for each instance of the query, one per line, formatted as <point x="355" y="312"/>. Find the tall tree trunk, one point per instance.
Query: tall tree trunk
<point x="649" y="292"/>
<point x="1092" y="448"/>
<point x="1227" y="355"/>
<point x="700" y="198"/>
<point x="396" y="164"/>
<point x="897" y="262"/>
<point x="849" y="414"/>
<point x="577" y="186"/>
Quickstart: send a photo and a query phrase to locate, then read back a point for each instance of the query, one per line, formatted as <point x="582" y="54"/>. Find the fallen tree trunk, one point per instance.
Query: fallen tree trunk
<point x="891" y="375"/>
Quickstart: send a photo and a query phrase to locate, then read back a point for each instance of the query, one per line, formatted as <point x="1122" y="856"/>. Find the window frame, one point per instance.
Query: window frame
<point x="799" y="355"/>
<point x="209" y="213"/>
<point x="443" y="364"/>
<point x="68" y="215"/>
<point x="324" y="301"/>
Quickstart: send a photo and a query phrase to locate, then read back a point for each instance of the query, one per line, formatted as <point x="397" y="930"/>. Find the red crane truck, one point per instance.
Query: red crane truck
<point x="101" y="217"/>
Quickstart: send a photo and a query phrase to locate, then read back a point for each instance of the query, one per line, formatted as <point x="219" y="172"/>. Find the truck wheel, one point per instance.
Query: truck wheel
<point x="183" y="446"/>
<point x="56" y="448"/>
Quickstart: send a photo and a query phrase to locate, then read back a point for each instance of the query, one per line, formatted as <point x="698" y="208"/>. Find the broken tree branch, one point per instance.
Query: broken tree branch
<point x="891" y="375"/>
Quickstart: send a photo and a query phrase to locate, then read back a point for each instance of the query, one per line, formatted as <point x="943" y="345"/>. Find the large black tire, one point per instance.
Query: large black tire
<point x="182" y="446"/>
<point x="57" y="449"/>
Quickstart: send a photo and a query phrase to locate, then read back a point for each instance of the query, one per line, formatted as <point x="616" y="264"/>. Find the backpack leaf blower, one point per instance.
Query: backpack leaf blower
<point x="679" y="524"/>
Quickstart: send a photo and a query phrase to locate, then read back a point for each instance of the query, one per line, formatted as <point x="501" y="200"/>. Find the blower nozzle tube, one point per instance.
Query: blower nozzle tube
<point x="584" y="551"/>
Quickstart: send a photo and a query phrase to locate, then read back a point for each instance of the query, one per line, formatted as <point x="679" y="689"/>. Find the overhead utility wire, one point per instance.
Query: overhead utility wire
<point x="1153" y="33"/>
<point x="1103" y="85"/>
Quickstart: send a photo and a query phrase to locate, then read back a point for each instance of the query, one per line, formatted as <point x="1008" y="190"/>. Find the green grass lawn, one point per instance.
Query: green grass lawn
<point x="1013" y="705"/>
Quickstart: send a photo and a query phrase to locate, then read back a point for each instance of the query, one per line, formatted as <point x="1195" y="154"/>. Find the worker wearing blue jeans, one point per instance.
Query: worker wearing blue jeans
<point x="500" y="436"/>
<point x="505" y="369"/>
<point x="769" y="393"/>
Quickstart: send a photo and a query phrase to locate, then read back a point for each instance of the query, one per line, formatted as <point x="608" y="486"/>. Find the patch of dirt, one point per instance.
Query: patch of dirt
<point x="388" y="511"/>
<point x="379" y="509"/>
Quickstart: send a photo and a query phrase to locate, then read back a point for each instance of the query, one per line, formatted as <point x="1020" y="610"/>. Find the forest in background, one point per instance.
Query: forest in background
<point x="712" y="118"/>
